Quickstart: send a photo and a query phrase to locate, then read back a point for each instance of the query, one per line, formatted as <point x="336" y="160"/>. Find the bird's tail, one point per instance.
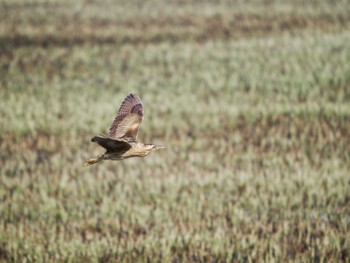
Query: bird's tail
<point x="94" y="160"/>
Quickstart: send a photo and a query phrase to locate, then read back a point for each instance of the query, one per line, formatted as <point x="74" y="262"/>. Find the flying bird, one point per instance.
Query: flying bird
<point x="121" y="141"/>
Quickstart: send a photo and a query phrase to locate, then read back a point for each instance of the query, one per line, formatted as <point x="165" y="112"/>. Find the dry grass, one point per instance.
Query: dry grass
<point x="252" y="102"/>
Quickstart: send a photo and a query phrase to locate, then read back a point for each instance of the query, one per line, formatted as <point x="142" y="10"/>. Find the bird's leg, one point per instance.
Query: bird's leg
<point x="95" y="160"/>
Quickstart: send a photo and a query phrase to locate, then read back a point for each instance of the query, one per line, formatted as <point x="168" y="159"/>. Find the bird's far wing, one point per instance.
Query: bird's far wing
<point x="110" y="144"/>
<point x="127" y="122"/>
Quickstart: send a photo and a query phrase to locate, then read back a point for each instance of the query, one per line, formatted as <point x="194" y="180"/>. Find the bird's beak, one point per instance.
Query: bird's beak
<point x="158" y="147"/>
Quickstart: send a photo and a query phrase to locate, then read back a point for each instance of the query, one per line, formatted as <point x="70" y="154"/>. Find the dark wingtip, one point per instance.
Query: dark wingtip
<point x="132" y="95"/>
<point x="94" y="139"/>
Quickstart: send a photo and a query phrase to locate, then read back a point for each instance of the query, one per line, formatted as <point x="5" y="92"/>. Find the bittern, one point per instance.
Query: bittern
<point x="121" y="142"/>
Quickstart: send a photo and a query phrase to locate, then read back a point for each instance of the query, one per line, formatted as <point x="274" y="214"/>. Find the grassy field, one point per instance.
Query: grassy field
<point x="251" y="99"/>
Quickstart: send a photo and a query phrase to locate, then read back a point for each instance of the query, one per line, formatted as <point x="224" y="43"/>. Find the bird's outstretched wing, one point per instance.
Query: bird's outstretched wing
<point x="126" y="124"/>
<point x="110" y="144"/>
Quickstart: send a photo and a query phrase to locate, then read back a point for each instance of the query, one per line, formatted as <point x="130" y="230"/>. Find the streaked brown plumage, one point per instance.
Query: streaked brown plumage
<point x="121" y="142"/>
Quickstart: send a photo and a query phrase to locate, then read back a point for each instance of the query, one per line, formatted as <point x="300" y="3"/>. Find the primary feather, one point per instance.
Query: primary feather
<point x="111" y="144"/>
<point x="127" y="123"/>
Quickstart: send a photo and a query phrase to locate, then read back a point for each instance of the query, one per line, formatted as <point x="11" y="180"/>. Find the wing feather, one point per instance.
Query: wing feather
<point x="128" y="120"/>
<point x="110" y="144"/>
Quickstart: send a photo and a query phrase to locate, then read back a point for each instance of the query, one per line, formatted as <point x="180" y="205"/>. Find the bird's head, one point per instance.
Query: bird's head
<point x="151" y="147"/>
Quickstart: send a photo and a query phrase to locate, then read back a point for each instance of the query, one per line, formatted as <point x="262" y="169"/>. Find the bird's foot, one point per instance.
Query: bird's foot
<point x="93" y="161"/>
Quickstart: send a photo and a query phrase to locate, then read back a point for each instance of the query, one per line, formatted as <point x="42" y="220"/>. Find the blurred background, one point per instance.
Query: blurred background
<point x="251" y="99"/>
